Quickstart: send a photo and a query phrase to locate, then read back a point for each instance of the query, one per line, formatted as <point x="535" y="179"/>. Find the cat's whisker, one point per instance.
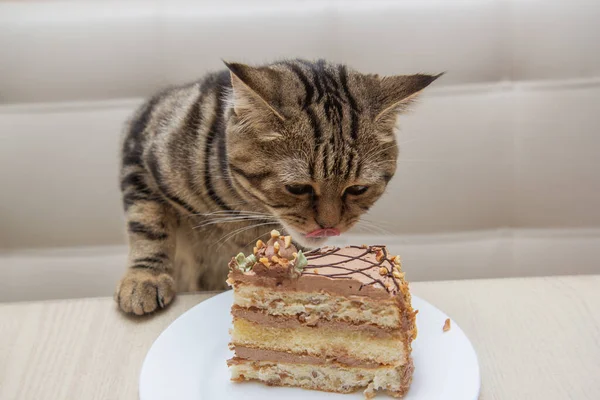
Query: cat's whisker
<point x="230" y="235"/>
<point x="378" y="227"/>
<point x="379" y="223"/>
<point x="228" y="212"/>
<point x="230" y="220"/>
<point x="256" y="238"/>
<point x="233" y="218"/>
<point x="373" y="227"/>
<point x="364" y="228"/>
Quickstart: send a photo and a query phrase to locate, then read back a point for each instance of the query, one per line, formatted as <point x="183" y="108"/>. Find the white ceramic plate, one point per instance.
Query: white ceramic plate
<point x="187" y="361"/>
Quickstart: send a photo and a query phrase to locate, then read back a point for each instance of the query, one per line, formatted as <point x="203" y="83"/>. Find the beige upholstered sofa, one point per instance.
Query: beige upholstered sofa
<point x="500" y="162"/>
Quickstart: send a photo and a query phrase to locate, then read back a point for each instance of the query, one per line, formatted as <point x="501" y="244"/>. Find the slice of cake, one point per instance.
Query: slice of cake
<point x="333" y="319"/>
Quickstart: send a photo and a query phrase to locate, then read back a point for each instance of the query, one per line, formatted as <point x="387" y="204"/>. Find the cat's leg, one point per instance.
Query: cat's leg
<point x="148" y="283"/>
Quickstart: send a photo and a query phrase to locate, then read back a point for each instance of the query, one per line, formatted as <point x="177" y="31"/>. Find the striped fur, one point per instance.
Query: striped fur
<point x="205" y="162"/>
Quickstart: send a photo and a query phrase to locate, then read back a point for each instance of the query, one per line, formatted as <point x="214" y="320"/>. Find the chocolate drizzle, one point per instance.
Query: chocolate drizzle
<point x="371" y="271"/>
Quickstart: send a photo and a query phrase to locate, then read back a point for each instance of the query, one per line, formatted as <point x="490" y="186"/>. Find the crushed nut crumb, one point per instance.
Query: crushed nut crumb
<point x="275" y="234"/>
<point x="276" y="247"/>
<point x="287" y="241"/>
<point x="379" y="255"/>
<point x="446" y="327"/>
<point x="398" y="275"/>
<point x="312" y="320"/>
<point x="275" y="259"/>
<point x="383" y="271"/>
<point x="255" y="250"/>
<point x="264" y="261"/>
<point x="260" y="244"/>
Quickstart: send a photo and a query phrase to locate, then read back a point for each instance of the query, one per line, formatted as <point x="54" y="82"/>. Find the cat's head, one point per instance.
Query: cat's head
<point x="314" y="142"/>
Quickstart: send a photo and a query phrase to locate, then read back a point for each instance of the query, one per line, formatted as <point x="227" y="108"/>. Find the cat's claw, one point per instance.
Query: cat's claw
<point x="144" y="291"/>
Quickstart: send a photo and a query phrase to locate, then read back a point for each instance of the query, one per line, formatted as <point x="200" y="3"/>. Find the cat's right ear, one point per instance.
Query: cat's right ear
<point x="254" y="91"/>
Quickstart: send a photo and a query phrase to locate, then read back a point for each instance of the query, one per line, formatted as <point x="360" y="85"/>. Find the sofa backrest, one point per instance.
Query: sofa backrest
<point x="508" y="138"/>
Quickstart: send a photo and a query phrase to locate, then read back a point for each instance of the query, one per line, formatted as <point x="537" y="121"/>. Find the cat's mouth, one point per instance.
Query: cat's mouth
<point x="312" y="239"/>
<point x="323" y="233"/>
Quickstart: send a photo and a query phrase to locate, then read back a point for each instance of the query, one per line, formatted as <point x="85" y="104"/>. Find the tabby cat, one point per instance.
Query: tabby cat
<point x="210" y="167"/>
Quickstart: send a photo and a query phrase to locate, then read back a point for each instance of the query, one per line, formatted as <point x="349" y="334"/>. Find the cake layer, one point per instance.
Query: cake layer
<point x="341" y="286"/>
<point x="252" y="354"/>
<point x="332" y="319"/>
<point x="328" y="378"/>
<point x="311" y="320"/>
<point x="326" y="306"/>
<point x="327" y="342"/>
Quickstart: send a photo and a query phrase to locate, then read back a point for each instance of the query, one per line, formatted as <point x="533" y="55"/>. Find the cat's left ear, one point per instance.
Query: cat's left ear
<point x="394" y="93"/>
<point x="254" y="91"/>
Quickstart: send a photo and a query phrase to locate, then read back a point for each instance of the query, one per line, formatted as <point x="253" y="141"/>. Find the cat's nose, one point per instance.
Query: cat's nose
<point x="328" y="228"/>
<point x="326" y="223"/>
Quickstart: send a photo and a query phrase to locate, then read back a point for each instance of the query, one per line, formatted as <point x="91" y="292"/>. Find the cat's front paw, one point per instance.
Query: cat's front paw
<point x="144" y="291"/>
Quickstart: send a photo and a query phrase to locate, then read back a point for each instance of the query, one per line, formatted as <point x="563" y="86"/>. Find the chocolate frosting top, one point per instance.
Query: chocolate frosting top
<point x="370" y="266"/>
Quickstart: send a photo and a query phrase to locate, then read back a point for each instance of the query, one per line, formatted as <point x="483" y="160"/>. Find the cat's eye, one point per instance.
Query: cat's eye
<point x="356" y="190"/>
<point x="299" y="190"/>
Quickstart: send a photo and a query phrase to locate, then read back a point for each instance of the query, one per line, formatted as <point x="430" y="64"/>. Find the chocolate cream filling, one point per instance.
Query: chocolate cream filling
<point x="284" y="322"/>
<point x="244" y="354"/>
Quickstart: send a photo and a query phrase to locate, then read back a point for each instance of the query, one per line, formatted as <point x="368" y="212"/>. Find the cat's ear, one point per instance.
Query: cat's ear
<point x="394" y="93"/>
<point x="254" y="91"/>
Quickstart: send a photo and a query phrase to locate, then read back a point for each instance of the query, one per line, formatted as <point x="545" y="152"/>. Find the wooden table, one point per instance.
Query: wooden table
<point x="537" y="338"/>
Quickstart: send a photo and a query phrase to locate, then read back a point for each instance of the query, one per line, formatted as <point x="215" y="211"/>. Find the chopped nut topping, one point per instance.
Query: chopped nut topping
<point x="264" y="261"/>
<point x="383" y="271"/>
<point x="370" y="391"/>
<point x="295" y="255"/>
<point x="398" y="275"/>
<point x="312" y="320"/>
<point x="260" y="244"/>
<point x="275" y="234"/>
<point x="255" y="250"/>
<point x="364" y="246"/>
<point x="379" y="255"/>
<point x="288" y="241"/>
<point x="397" y="260"/>
<point x="275" y="259"/>
<point x="446" y="327"/>
<point x="276" y="247"/>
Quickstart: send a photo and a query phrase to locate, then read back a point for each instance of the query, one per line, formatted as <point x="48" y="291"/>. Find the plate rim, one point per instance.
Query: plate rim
<point x="205" y="303"/>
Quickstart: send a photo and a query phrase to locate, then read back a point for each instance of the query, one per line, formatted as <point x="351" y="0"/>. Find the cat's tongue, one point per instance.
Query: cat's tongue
<point x="327" y="232"/>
